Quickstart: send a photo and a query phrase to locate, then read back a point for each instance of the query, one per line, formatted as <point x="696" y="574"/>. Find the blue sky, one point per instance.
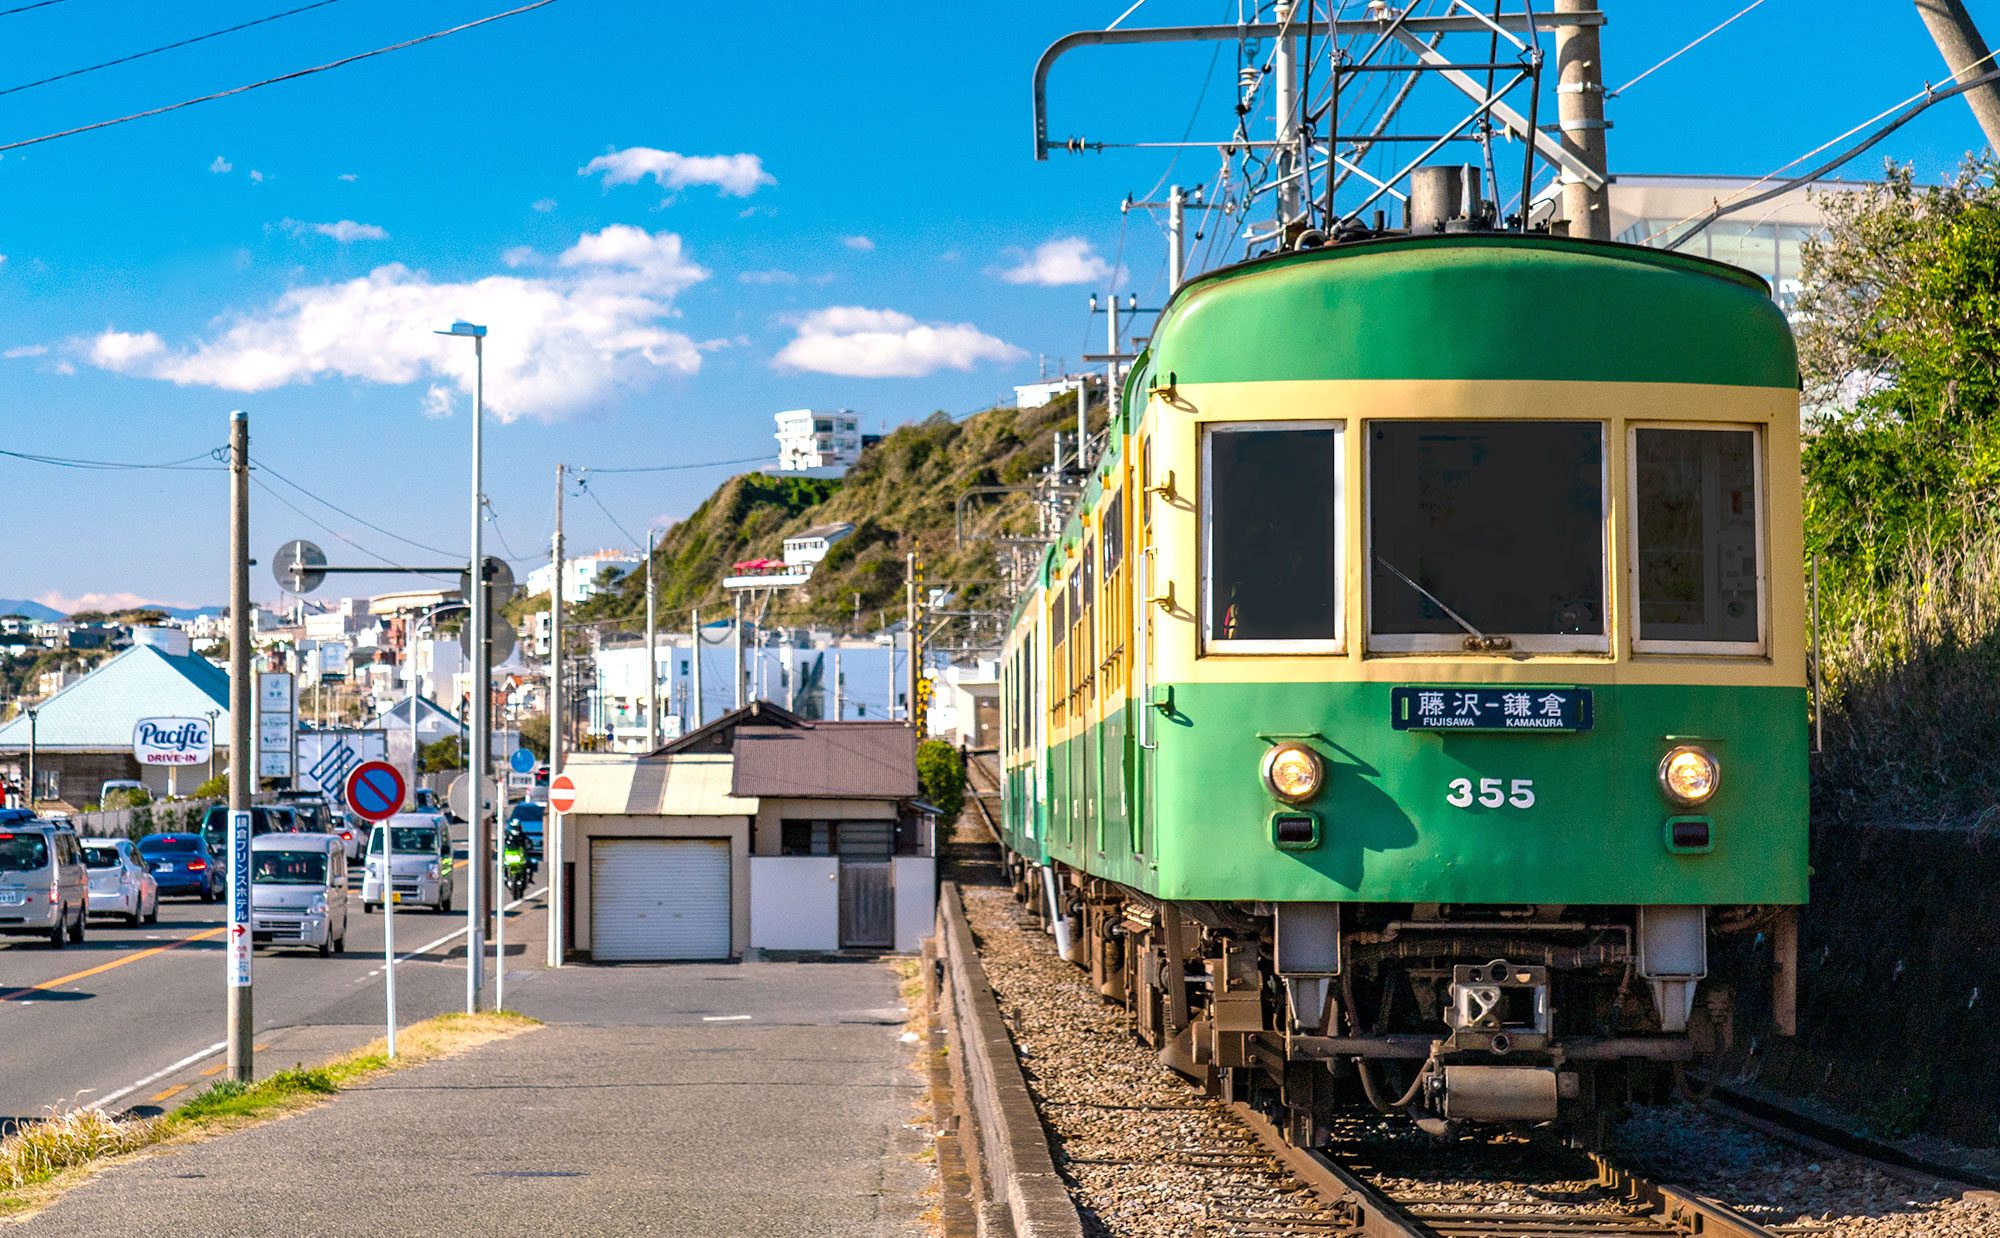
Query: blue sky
<point x="792" y="205"/>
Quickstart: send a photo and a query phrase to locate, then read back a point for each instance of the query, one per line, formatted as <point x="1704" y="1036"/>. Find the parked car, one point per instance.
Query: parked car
<point x="114" y="786"/>
<point x="423" y="862"/>
<point x="264" y="819"/>
<point x="44" y="889"/>
<point x="183" y="864"/>
<point x="121" y="881"/>
<point x="530" y="817"/>
<point x="298" y="891"/>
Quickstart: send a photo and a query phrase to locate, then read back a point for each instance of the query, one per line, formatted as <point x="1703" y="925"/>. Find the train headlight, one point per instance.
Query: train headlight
<point x="1293" y="772"/>
<point x="1689" y="776"/>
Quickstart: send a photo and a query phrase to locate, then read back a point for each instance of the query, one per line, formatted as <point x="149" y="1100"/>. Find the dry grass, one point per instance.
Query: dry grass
<point x="40" y="1161"/>
<point x="1912" y="708"/>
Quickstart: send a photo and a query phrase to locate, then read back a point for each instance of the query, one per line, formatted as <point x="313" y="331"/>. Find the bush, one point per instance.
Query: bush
<point x="442" y="755"/>
<point x="214" y="788"/>
<point x="941" y="774"/>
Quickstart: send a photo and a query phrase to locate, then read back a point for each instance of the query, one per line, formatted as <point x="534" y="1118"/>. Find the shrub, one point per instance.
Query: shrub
<point x="941" y="774"/>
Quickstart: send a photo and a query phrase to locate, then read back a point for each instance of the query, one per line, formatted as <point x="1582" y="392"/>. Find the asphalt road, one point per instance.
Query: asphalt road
<point x="134" y="1017"/>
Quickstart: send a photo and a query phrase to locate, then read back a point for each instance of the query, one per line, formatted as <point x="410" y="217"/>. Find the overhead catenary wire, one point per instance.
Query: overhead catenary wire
<point x="271" y="81"/>
<point x="22" y="8"/>
<point x="1717" y="29"/>
<point x="166" y="47"/>
<point x="673" y="468"/>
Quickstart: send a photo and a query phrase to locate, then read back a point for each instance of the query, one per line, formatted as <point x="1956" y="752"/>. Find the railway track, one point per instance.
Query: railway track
<point x="1144" y="1152"/>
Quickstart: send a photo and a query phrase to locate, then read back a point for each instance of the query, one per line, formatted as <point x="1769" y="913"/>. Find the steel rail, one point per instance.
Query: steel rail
<point x="1368" y="1210"/>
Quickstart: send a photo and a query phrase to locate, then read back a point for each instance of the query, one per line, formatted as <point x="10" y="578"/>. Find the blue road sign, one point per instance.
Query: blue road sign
<point x="239" y="900"/>
<point x="375" y="790"/>
<point x="522" y="762"/>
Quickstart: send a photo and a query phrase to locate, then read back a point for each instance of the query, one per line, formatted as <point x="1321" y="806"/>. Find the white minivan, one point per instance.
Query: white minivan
<point x="423" y="862"/>
<point x="298" y="891"/>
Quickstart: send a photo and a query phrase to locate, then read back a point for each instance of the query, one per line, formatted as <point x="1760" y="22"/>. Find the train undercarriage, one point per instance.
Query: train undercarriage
<point x="1449" y="1014"/>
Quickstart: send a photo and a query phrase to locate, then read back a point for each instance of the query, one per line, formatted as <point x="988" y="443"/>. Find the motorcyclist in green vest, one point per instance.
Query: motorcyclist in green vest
<point x="514" y="857"/>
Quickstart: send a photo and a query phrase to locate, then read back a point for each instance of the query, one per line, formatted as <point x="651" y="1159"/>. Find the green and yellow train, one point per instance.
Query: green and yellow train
<point x="1417" y="690"/>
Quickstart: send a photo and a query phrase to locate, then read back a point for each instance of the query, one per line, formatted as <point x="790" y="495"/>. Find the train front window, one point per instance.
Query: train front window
<point x="1694" y="498"/>
<point x="1272" y="545"/>
<point x="1486" y="535"/>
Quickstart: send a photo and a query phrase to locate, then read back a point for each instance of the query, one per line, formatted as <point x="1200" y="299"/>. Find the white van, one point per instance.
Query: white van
<point x="423" y="863"/>
<point x="298" y="891"/>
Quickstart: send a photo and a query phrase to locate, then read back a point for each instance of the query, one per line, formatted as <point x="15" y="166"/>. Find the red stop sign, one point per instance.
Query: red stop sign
<point x="562" y="793"/>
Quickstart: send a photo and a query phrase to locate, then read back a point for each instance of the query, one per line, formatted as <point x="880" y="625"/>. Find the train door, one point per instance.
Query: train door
<point x="1137" y="765"/>
<point x="1114" y="749"/>
<point x="1089" y="733"/>
<point x="1059" y="803"/>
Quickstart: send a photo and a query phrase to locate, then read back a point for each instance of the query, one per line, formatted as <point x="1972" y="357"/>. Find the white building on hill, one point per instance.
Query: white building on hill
<point x="818" y="442"/>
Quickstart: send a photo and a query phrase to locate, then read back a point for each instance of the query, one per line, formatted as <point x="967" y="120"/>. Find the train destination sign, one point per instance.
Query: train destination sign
<point x="1512" y="707"/>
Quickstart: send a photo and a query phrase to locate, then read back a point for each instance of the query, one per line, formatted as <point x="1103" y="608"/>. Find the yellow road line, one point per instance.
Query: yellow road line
<point x="86" y="973"/>
<point x="165" y="1093"/>
<point x="216" y="1069"/>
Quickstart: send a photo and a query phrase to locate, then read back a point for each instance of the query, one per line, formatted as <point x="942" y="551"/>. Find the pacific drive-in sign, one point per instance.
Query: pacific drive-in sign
<point x="172" y="741"/>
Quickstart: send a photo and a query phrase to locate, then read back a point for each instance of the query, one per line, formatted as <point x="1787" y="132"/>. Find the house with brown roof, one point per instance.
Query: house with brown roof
<point x="761" y="832"/>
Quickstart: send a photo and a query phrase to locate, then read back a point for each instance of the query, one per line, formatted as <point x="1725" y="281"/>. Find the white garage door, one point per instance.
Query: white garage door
<point x="659" y="898"/>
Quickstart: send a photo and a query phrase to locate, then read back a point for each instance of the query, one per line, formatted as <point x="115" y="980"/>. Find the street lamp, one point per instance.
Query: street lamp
<point x="213" y="714"/>
<point x="482" y="740"/>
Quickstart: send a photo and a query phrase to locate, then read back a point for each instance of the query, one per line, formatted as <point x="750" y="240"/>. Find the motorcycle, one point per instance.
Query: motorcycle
<point x="516" y="862"/>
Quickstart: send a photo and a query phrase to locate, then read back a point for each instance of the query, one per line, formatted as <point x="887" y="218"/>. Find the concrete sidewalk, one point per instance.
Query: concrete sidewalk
<point x="764" y="1099"/>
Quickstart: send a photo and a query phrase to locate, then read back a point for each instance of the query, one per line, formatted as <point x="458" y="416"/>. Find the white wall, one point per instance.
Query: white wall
<point x="795" y="902"/>
<point x="916" y="901"/>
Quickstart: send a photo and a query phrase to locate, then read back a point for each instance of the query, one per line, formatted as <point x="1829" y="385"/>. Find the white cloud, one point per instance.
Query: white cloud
<point x="25" y="350"/>
<point x="542" y="206"/>
<point x="99" y="601"/>
<point x="1065" y="260"/>
<point x="560" y="342"/>
<point x="860" y="244"/>
<point x="223" y="165"/>
<point x="437" y="401"/>
<point x="519" y="255"/>
<point x="345" y="231"/>
<point x="737" y="176"/>
<point x="64" y="367"/>
<point x="349" y="177"/>
<point x="256" y="177"/>
<point x="854" y="342"/>
<point x="767" y="278"/>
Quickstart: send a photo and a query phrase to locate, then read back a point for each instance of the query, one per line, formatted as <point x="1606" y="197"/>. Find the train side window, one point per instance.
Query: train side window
<point x="1696" y="540"/>
<point x="1486" y="533"/>
<point x="1270" y="537"/>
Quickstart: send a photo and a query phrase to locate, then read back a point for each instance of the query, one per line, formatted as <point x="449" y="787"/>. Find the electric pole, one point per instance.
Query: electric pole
<point x="1966" y="55"/>
<point x="652" y="653"/>
<point x="913" y="582"/>
<point x="1580" y="109"/>
<point x="242" y="769"/>
<point x="1178" y="200"/>
<point x="738" y="648"/>
<point x="694" y="670"/>
<point x="555" y="831"/>
<point x="1286" y="167"/>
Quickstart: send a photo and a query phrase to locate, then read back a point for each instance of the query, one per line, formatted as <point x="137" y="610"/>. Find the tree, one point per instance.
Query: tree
<point x="941" y="774"/>
<point x="535" y="735"/>
<point x="441" y="755"/>
<point x="213" y="788"/>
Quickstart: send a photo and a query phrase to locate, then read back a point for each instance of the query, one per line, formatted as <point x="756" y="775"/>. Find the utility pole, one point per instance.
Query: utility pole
<point x="241" y="769"/>
<point x="838" y="683"/>
<point x="1580" y="110"/>
<point x="29" y="802"/>
<point x="481" y="761"/>
<point x="555" y="832"/>
<point x="1178" y="200"/>
<point x="1285" y="165"/>
<point x="913" y="581"/>
<point x="739" y="650"/>
<point x="694" y="670"/>
<point x="652" y="653"/>
<point x="1966" y="55"/>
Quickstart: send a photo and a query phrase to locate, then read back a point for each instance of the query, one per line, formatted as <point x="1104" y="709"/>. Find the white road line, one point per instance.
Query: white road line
<point x="725" y="1018"/>
<point x="427" y="947"/>
<point x="158" y="1075"/>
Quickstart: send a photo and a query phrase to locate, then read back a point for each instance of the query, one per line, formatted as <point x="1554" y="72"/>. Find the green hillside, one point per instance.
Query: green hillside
<point x="900" y="497"/>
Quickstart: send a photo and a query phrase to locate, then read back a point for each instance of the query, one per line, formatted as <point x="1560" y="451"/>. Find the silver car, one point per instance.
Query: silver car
<point x="121" y="882"/>
<point x="298" y="891"/>
<point x="44" y="890"/>
<point x="424" y="872"/>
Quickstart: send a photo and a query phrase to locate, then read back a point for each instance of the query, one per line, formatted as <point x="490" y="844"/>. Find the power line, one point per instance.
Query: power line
<point x="382" y="559"/>
<point x="674" y="468"/>
<point x="185" y="465"/>
<point x="39" y="4"/>
<point x="264" y="465"/>
<point x="583" y="483"/>
<point x="269" y="81"/>
<point x="1612" y="94"/>
<point x="200" y="38"/>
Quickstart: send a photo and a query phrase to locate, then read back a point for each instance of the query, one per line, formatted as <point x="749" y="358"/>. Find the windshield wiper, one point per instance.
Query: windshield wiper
<point x="1480" y="640"/>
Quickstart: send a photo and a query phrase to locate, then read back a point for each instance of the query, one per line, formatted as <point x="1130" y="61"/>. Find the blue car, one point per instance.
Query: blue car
<point x="182" y="865"/>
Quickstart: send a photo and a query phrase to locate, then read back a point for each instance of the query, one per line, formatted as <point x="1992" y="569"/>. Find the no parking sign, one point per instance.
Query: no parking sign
<point x="375" y="790"/>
